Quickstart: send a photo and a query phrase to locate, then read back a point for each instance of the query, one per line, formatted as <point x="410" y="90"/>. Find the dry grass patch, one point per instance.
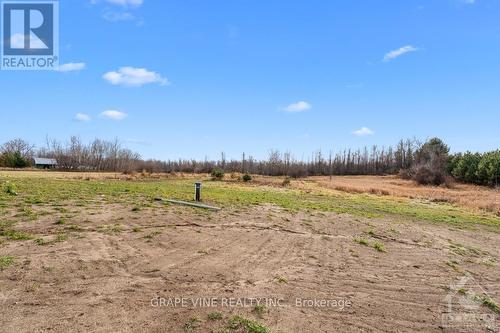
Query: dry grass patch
<point x="472" y="196"/>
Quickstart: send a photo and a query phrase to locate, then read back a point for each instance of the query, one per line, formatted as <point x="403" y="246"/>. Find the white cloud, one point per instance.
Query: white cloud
<point x="135" y="3"/>
<point x="298" y="107"/>
<point x="123" y="13"/>
<point x="112" y="16"/>
<point x="134" y="77"/>
<point x="82" y="117"/>
<point x="113" y="114"/>
<point x="399" y="52"/>
<point x="124" y="3"/>
<point x="17" y="42"/>
<point x="363" y="131"/>
<point x="71" y="67"/>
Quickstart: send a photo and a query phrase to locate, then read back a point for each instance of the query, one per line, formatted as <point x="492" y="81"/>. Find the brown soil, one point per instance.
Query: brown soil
<point x="105" y="275"/>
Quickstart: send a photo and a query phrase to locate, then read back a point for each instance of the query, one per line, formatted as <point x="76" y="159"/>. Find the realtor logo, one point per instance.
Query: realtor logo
<point x="30" y="35"/>
<point x="465" y="306"/>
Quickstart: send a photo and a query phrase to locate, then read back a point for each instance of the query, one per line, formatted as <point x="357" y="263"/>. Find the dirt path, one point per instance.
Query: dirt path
<point x="114" y="278"/>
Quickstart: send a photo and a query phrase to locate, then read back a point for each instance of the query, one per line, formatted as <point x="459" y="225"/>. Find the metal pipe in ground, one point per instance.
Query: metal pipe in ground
<point x="197" y="191"/>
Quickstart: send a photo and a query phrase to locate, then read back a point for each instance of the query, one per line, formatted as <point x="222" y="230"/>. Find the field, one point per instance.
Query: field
<point x="471" y="196"/>
<point x="105" y="252"/>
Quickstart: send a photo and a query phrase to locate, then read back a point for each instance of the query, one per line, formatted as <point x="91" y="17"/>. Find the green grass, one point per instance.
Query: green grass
<point x="10" y="188"/>
<point x="45" y="191"/>
<point x="58" y="239"/>
<point x="489" y="262"/>
<point x="152" y="235"/>
<point x="29" y="213"/>
<point x="259" y="309"/>
<point x="454" y="264"/>
<point x="379" y="247"/>
<point x="74" y="227"/>
<point x="465" y="250"/>
<point x="362" y="241"/>
<point x="6" y="224"/>
<point x="41" y="242"/>
<point x="16" y="235"/>
<point x="60" y="221"/>
<point x="246" y="325"/>
<point x="214" y="316"/>
<point x="489" y="302"/>
<point x="192" y="324"/>
<point x="6" y="261"/>
<point x="281" y="279"/>
<point x="482" y="299"/>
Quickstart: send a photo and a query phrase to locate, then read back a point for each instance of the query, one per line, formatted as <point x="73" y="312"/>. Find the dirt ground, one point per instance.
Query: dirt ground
<point x="120" y="271"/>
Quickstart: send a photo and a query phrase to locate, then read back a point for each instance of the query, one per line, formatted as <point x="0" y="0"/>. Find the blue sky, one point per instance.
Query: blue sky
<point x="189" y="79"/>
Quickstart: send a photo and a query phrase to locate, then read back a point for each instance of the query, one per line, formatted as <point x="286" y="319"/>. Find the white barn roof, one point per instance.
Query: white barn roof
<point x="45" y="161"/>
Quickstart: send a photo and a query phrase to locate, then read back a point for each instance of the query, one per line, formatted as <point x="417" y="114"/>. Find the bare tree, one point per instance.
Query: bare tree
<point x="20" y="146"/>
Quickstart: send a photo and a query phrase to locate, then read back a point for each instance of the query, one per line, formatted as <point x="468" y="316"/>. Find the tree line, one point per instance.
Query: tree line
<point x="367" y="161"/>
<point x="98" y="155"/>
<point x="427" y="163"/>
<point x="476" y="168"/>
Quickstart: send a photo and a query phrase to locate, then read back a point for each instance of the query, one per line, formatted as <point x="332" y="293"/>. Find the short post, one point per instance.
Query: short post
<point x="197" y="194"/>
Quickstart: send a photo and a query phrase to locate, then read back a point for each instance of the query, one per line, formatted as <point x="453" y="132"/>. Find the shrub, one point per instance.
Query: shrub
<point x="10" y="189"/>
<point x="286" y="182"/>
<point x="426" y="175"/>
<point x="379" y="247"/>
<point x="217" y="173"/>
<point x="431" y="162"/>
<point x="405" y="174"/>
<point x="247" y="177"/>
<point x="13" y="160"/>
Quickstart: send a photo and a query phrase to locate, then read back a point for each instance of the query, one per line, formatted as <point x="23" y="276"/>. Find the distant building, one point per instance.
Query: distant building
<point x="45" y="163"/>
